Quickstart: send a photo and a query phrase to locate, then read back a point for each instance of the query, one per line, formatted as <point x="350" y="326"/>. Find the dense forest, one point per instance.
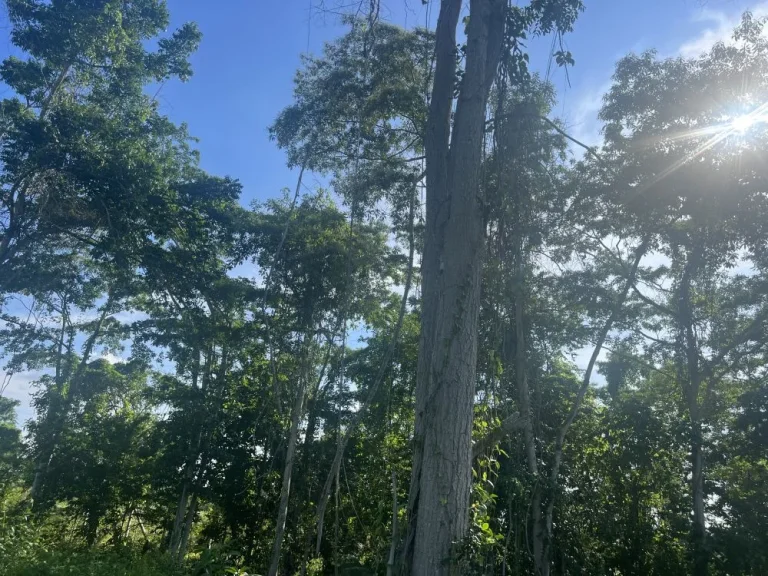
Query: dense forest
<point x="397" y="387"/>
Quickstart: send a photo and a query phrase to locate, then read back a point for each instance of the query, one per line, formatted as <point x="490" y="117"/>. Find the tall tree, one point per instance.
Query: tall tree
<point x="87" y="157"/>
<point x="326" y="271"/>
<point x="452" y="264"/>
<point x="686" y="171"/>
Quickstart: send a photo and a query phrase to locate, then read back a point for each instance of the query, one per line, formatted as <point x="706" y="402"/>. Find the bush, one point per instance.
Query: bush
<point x="89" y="563"/>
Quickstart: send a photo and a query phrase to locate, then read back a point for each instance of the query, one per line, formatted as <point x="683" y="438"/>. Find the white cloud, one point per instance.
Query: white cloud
<point x="720" y="29"/>
<point x="129" y="316"/>
<point x="112" y="358"/>
<point x="581" y="118"/>
<point x="717" y="26"/>
<point x="720" y="26"/>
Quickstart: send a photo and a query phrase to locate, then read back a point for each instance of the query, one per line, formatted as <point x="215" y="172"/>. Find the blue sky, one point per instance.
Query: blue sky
<point x="251" y="49"/>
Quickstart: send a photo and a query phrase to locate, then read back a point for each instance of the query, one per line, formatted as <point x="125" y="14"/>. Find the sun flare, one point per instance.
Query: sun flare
<point x="742" y="124"/>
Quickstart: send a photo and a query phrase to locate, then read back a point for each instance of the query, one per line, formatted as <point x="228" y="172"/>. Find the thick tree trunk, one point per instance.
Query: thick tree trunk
<point x="442" y="470"/>
<point x="285" y="490"/>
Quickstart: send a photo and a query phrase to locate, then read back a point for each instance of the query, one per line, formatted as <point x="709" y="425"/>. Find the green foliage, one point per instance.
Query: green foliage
<point x="374" y="75"/>
<point x="92" y="563"/>
<point x="87" y="157"/>
<point x="11" y="456"/>
<point x="483" y="542"/>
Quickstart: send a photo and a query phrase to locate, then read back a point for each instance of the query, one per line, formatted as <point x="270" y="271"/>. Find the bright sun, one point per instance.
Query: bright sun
<point x="743" y="123"/>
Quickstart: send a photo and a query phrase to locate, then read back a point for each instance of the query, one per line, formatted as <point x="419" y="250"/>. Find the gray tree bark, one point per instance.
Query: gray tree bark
<point x="175" y="537"/>
<point x="451" y="266"/>
<point x="539" y="532"/>
<point x="188" y="523"/>
<point x="196" y="445"/>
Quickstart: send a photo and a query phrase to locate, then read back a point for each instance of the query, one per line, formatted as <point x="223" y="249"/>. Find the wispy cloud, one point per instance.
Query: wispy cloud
<point x="719" y="28"/>
<point x="716" y="26"/>
<point x="581" y="117"/>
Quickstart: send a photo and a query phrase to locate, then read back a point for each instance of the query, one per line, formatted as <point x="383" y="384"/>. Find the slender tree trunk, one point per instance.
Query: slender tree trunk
<point x="336" y="527"/>
<point x="699" y="529"/>
<point x="380" y="375"/>
<point x="175" y="539"/>
<point x="267" y="290"/>
<point x="586" y="380"/>
<point x="290" y="453"/>
<point x="202" y="451"/>
<point x="124" y="536"/>
<point x="539" y="532"/>
<point x="15" y="213"/>
<point x="179" y="548"/>
<point x="309" y="437"/>
<point x="60" y="345"/>
<point x="178" y="523"/>
<point x="17" y="194"/>
<point x="451" y="267"/>
<point x="308" y="473"/>
<point x="120" y="531"/>
<point x="637" y="545"/>
<point x="37" y="481"/>
<point x="58" y="412"/>
<point x="393" y="538"/>
<point x="92" y="529"/>
<point x="143" y="531"/>
<point x="58" y="83"/>
<point x="196" y="445"/>
<point x="692" y="388"/>
<point x="188" y="523"/>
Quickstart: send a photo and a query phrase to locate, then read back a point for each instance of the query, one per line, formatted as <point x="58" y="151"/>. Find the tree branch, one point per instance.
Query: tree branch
<point x="508" y="425"/>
